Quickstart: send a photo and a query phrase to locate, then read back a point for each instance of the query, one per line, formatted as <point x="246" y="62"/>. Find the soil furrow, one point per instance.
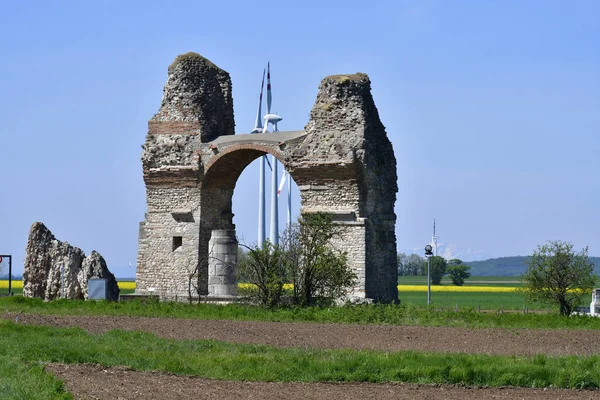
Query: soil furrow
<point x="337" y="336"/>
<point x="96" y="382"/>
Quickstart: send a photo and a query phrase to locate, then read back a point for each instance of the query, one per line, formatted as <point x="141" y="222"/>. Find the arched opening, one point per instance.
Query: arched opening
<point x="222" y="176"/>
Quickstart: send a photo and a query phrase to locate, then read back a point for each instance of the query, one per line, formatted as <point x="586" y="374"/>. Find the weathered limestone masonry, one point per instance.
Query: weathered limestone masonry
<point x="196" y="107"/>
<point x="343" y="163"/>
<point x="53" y="268"/>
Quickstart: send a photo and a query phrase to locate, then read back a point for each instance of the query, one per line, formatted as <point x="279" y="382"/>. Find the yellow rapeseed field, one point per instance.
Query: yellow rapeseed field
<point x="15" y="284"/>
<point x="423" y="288"/>
<point x="287" y="286"/>
<point x="128" y="285"/>
<point x="463" y="289"/>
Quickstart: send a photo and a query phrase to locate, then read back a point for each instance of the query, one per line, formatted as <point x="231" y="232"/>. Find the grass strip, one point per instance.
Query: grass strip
<point x="363" y="314"/>
<point x="221" y="360"/>
<point x="28" y="381"/>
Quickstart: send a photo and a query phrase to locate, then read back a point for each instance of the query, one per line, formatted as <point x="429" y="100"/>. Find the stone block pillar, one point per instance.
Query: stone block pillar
<point x="595" y="304"/>
<point x="222" y="263"/>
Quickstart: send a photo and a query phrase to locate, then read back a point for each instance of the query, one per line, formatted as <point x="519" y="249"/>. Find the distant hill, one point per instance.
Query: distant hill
<point x="18" y="277"/>
<point x="509" y="266"/>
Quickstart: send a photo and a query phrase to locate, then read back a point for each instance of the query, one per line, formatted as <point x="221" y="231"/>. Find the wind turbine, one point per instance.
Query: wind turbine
<point x="434" y="239"/>
<point x="272" y="119"/>
<point x="258" y="128"/>
<point x="261" y="177"/>
<point x="289" y="195"/>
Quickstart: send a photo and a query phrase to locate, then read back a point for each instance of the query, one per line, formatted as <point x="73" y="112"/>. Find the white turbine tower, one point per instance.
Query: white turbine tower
<point x="434" y="240"/>
<point x="272" y="119"/>
<point x="289" y="194"/>
<point x="261" y="177"/>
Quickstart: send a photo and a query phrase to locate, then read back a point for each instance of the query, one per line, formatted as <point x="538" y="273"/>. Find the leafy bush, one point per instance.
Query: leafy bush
<point x="319" y="273"/>
<point x="556" y="275"/>
<point x="265" y="269"/>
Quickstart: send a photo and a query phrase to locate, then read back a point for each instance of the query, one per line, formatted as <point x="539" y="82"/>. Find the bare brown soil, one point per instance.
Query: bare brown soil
<point x="335" y="336"/>
<point x="96" y="382"/>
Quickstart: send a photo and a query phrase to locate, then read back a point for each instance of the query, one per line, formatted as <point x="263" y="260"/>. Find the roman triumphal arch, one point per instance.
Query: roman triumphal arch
<point x="343" y="163"/>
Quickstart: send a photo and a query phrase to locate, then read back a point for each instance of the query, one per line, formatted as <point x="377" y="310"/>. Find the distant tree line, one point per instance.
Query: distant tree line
<point x="411" y="265"/>
<point x="415" y="265"/>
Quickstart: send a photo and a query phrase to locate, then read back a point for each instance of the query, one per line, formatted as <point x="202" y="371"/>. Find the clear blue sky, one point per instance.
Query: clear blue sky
<point x="493" y="108"/>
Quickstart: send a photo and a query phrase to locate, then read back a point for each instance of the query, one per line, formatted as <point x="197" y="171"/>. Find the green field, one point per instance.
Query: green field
<point x="25" y="349"/>
<point x="480" y="300"/>
<point x="483" y="301"/>
<point x="29" y="345"/>
<point x="472" y="281"/>
<point x="404" y="314"/>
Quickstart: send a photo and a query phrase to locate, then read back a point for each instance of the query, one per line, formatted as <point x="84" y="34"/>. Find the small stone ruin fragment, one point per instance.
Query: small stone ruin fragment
<point x="54" y="269"/>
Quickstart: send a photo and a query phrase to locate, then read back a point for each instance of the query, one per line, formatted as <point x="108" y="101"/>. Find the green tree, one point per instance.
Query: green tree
<point x="417" y="265"/>
<point x="401" y="259"/>
<point x="458" y="272"/>
<point x="556" y="275"/>
<point x="438" y="269"/>
<point x="410" y="265"/>
<point x="319" y="273"/>
<point x="265" y="269"/>
<point x="242" y="255"/>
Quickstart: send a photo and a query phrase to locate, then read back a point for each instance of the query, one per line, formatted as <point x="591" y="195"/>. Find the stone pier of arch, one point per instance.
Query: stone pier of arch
<point x="342" y="161"/>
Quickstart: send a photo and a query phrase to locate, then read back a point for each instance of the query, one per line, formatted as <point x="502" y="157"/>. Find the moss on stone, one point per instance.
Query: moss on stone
<point x="344" y="78"/>
<point x="191" y="56"/>
<point x="326" y="106"/>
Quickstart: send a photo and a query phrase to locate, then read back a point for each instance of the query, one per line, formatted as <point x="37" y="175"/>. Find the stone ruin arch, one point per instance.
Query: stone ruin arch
<point x="343" y="163"/>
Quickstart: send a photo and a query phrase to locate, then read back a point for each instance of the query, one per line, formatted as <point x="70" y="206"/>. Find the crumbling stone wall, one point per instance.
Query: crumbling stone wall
<point x="354" y="178"/>
<point x="197" y="107"/>
<point x="53" y="267"/>
<point x="343" y="163"/>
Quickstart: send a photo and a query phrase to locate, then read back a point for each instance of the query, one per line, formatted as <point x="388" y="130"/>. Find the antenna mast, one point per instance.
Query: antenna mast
<point x="434" y="239"/>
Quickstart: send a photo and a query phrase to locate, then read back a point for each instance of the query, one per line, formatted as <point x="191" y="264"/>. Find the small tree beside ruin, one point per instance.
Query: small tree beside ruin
<point x="193" y="278"/>
<point x="556" y="275"/>
<point x="319" y="273"/>
<point x="264" y="268"/>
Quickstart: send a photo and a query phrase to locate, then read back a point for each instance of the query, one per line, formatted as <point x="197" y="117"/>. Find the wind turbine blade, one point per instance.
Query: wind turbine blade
<point x="268" y="162"/>
<point x="258" y="123"/>
<point x="268" y="88"/>
<point x="281" y="183"/>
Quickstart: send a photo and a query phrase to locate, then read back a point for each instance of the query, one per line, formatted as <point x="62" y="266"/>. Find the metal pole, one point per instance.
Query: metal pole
<point x="261" y="203"/>
<point x="428" y="280"/>
<point x="10" y="275"/>
<point x="274" y="234"/>
<point x="289" y="199"/>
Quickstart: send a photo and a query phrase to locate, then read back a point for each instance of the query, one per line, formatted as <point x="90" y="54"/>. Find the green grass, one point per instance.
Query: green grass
<point x="27" y="380"/>
<point x="477" y="300"/>
<point x="364" y="314"/>
<point x="220" y="360"/>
